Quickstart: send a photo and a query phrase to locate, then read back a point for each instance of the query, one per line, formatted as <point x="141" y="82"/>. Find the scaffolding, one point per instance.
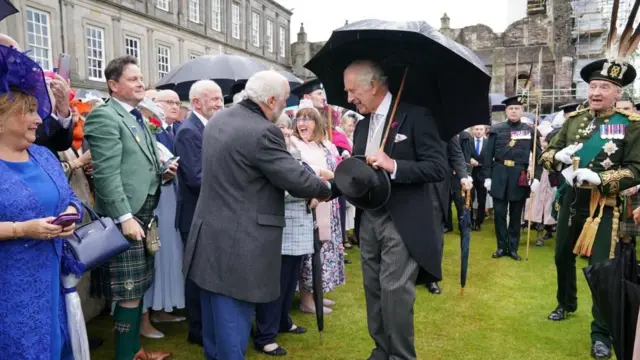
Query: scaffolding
<point x="591" y="19"/>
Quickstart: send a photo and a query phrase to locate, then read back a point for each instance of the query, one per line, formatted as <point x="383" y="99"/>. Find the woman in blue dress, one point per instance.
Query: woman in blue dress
<point x="33" y="191"/>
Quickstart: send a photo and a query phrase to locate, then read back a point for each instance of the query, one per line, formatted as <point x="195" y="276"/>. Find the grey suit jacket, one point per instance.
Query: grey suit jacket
<point x="236" y="236"/>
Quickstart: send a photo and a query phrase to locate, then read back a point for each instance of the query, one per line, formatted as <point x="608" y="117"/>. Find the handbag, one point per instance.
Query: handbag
<point x="93" y="244"/>
<point x="152" y="238"/>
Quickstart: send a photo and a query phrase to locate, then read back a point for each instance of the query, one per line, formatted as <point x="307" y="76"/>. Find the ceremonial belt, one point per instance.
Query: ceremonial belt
<point x="511" y="163"/>
<point x="592" y="147"/>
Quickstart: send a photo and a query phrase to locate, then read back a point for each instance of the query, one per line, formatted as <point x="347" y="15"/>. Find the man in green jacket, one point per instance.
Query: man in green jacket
<point x="127" y="175"/>
<point x="604" y="145"/>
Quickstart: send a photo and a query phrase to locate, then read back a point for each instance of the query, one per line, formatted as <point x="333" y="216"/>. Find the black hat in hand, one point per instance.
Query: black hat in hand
<point x="362" y="185"/>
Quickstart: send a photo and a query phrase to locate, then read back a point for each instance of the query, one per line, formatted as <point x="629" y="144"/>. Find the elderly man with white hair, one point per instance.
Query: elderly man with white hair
<point x="233" y="250"/>
<point x="206" y="100"/>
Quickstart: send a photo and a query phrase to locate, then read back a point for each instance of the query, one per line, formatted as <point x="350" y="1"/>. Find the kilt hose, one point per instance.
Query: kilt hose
<point x="129" y="275"/>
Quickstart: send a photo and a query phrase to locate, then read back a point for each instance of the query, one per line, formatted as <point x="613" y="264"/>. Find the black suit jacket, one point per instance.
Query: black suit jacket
<point x="420" y="160"/>
<point x="478" y="172"/>
<point x="455" y="163"/>
<point x="55" y="137"/>
<point x="188" y="145"/>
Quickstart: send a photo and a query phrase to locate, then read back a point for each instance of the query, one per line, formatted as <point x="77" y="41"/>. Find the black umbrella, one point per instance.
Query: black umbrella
<point x="615" y="287"/>
<point x="225" y="70"/>
<point x="442" y="74"/>
<point x="316" y="274"/>
<point x="465" y="238"/>
<point x="6" y="9"/>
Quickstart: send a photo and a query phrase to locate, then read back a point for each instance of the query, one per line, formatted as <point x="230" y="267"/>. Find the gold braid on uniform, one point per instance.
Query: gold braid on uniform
<point x="611" y="179"/>
<point x="615" y="223"/>
<point x="547" y="159"/>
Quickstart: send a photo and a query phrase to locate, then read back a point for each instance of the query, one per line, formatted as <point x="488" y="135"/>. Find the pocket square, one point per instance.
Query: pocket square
<point x="400" y="137"/>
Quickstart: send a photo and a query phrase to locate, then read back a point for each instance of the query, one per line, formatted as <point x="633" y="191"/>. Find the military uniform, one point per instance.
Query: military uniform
<point x="508" y="151"/>
<point x="589" y="214"/>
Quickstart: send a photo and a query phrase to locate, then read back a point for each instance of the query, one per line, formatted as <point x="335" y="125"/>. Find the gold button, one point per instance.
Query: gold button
<point x="590" y="165"/>
<point x="585" y="118"/>
<point x="577" y="137"/>
<point x="606" y="121"/>
<point x="582" y="125"/>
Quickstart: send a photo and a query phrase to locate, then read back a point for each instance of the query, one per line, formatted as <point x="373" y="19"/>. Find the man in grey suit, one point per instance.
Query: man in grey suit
<point x="233" y="250"/>
<point x="401" y="237"/>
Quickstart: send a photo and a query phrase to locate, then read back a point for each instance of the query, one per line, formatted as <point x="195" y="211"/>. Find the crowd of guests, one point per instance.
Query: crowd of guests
<point x="58" y="151"/>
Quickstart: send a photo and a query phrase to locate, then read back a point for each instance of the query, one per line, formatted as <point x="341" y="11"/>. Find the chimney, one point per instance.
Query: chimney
<point x="302" y="36"/>
<point x="346" y="22"/>
<point x="444" y="22"/>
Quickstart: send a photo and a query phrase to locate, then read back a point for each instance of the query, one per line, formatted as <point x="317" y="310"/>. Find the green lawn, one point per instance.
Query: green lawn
<point x="502" y="314"/>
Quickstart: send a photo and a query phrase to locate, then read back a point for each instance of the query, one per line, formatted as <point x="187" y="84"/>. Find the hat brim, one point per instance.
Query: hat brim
<point x="361" y="185"/>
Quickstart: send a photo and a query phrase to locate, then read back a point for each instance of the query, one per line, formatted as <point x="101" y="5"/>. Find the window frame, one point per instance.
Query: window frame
<point x="33" y="47"/>
<point x="102" y="50"/>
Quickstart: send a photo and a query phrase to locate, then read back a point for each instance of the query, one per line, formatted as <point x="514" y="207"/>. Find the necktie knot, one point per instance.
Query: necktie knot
<point x="137" y="114"/>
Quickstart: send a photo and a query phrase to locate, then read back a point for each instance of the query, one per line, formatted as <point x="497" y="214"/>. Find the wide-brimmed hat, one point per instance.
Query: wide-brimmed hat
<point x="18" y="72"/>
<point x="362" y="185"/>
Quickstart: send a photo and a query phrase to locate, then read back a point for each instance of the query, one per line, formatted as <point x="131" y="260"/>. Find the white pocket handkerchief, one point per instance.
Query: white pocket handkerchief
<point x="400" y="137"/>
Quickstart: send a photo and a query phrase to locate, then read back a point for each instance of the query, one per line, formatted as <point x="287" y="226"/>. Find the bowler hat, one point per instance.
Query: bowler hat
<point x="362" y="185"/>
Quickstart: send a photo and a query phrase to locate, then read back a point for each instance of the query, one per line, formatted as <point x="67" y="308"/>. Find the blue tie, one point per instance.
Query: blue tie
<point x="477" y="147"/>
<point x="138" y="115"/>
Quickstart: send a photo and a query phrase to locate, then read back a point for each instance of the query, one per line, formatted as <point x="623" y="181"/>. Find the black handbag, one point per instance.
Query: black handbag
<point x="95" y="243"/>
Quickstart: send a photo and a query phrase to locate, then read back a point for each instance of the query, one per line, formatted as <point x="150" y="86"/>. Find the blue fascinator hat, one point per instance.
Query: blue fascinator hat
<point x="18" y="72"/>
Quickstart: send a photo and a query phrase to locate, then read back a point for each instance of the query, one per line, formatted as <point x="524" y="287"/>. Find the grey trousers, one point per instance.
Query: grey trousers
<point x="389" y="273"/>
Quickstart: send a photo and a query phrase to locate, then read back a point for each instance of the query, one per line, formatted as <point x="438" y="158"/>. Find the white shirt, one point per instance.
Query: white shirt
<point x="380" y="116"/>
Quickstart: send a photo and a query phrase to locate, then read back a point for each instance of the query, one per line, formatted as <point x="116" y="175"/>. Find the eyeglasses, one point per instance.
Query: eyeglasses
<point x="170" y="102"/>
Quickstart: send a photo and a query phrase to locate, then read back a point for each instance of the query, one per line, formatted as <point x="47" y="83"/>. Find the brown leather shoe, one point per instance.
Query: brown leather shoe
<point x="152" y="355"/>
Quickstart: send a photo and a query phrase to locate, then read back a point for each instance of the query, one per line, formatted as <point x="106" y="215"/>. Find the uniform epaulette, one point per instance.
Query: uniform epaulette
<point x="578" y="112"/>
<point x="630" y="115"/>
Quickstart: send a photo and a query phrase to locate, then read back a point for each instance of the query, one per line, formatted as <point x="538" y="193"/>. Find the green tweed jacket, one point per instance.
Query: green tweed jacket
<point x="126" y="163"/>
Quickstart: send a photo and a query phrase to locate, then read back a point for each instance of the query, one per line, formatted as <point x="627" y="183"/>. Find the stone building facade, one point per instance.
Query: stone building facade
<point x="543" y="37"/>
<point x="160" y="33"/>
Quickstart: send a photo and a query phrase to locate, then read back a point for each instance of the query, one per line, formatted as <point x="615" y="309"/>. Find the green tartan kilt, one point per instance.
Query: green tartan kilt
<point x="129" y="275"/>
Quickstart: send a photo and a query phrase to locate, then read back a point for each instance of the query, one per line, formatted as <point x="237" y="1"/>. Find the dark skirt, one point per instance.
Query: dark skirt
<point x="128" y="275"/>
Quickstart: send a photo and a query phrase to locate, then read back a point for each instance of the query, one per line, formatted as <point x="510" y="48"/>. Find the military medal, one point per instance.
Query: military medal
<point x="603" y="131"/>
<point x="512" y="143"/>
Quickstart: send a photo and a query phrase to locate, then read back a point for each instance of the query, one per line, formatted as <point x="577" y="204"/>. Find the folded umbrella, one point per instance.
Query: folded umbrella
<point x="615" y="288"/>
<point x="465" y="238"/>
<point x="316" y="274"/>
<point x="440" y="71"/>
<point x="225" y="70"/>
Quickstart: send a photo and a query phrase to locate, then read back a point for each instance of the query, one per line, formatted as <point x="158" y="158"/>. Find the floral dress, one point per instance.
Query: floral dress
<point x="331" y="254"/>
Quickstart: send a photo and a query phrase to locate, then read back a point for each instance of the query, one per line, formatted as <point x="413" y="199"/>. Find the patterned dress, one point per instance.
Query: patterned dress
<point x="331" y="254"/>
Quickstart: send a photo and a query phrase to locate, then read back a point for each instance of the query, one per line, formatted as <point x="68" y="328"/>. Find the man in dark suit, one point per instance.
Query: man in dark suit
<point x="169" y="101"/>
<point x="399" y="238"/>
<point x="478" y="143"/>
<point x="206" y="100"/>
<point x="458" y="180"/>
<point x="235" y="240"/>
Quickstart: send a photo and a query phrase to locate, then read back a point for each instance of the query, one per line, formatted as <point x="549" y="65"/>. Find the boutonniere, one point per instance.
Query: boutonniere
<point x="154" y="125"/>
<point x="394" y="124"/>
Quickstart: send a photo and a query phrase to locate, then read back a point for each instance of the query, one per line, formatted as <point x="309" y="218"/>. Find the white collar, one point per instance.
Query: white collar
<point x="126" y="106"/>
<point x="202" y="118"/>
<point x="385" y="105"/>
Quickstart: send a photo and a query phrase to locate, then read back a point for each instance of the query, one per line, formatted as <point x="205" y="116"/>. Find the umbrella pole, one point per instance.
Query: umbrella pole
<point x="393" y="112"/>
<point x="533" y="176"/>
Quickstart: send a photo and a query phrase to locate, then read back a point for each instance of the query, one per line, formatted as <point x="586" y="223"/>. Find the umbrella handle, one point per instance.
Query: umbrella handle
<point x="393" y="112"/>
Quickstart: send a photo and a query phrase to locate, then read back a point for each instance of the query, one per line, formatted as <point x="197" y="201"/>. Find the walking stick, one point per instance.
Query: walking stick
<point x="533" y="176"/>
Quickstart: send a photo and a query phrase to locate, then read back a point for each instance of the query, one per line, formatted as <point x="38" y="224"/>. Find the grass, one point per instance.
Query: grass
<point x="502" y="314"/>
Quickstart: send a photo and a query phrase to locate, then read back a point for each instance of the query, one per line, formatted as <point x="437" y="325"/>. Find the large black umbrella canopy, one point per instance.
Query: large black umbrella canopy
<point x="444" y="76"/>
<point x="225" y="70"/>
<point x="7" y="9"/>
<point x="615" y="288"/>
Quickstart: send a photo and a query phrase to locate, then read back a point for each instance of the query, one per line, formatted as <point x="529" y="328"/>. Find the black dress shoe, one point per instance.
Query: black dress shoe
<point x="275" y="352"/>
<point x="193" y="339"/>
<point x="600" y="351"/>
<point x="434" y="288"/>
<point x="297" y="331"/>
<point x="559" y="314"/>
<point x="515" y="256"/>
<point x="497" y="254"/>
<point x="94" y="344"/>
<point x="347" y="261"/>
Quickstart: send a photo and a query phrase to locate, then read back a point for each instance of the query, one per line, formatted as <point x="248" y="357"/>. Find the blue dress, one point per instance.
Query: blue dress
<point x="33" y="324"/>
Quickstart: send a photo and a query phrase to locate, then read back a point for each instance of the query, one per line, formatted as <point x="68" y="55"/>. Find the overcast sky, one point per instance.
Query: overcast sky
<point x="321" y="17"/>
